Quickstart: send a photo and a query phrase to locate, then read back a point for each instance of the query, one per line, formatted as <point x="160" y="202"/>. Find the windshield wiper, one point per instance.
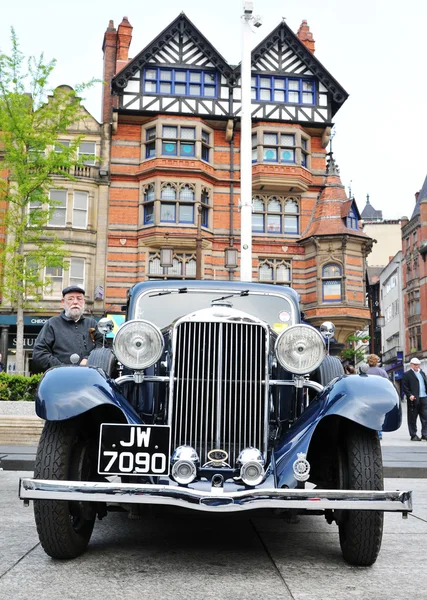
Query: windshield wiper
<point x="242" y="293"/>
<point x="179" y="291"/>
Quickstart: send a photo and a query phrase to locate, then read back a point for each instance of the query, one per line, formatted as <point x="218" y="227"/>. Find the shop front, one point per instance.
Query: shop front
<point x="32" y="327"/>
<point x="395" y="371"/>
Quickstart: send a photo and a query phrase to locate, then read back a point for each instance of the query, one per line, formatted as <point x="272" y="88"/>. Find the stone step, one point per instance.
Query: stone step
<point x="20" y="430"/>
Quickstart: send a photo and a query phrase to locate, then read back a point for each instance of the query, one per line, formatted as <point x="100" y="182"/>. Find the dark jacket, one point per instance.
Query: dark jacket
<point x="411" y="386"/>
<point x="61" y="337"/>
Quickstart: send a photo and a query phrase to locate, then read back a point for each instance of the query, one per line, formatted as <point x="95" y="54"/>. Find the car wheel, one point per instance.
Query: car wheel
<point x="330" y="368"/>
<point x="104" y="359"/>
<point x="360" y="468"/>
<point x="64" y="453"/>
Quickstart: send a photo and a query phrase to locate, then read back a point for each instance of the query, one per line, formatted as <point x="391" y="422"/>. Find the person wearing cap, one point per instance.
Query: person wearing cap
<point x="68" y="333"/>
<point x="415" y="388"/>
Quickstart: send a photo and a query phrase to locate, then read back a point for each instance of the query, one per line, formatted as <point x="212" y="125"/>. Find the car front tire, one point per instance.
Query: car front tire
<point x="360" y="465"/>
<point x="64" y="453"/>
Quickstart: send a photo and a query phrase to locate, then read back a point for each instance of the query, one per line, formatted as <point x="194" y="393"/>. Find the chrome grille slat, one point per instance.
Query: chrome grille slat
<point x="220" y="395"/>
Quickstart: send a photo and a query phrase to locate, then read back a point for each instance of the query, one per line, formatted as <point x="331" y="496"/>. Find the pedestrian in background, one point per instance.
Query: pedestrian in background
<point x="373" y="368"/>
<point x="1" y="363"/>
<point x="415" y="388"/>
<point x="349" y="370"/>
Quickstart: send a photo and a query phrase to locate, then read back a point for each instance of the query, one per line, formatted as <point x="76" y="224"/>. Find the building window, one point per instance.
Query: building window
<point x="148" y="199"/>
<point x="332" y="283"/>
<point x="80" y="207"/>
<point x="414" y="307"/>
<point x="87" y="152"/>
<point x="274" y="270"/>
<point x="352" y="220"/>
<point x="181" y="210"/>
<point x="150" y="146"/>
<point x="204" y="199"/>
<point x="77" y="272"/>
<point x="178" y="141"/>
<point x="288" y="90"/>
<point x="61" y="145"/>
<point x="415" y="339"/>
<point x="54" y="281"/>
<point x="177" y="204"/>
<point x="58" y="202"/>
<point x="184" y="266"/>
<point x="180" y="82"/>
<point x="280" y="147"/>
<point x="206" y="137"/>
<point x="275" y="215"/>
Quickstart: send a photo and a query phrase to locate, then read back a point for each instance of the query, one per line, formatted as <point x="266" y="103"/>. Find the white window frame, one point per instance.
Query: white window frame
<point x="76" y="263"/>
<point x="88" y="161"/>
<point x="58" y="208"/>
<point x="58" y="278"/>
<point x="78" y="210"/>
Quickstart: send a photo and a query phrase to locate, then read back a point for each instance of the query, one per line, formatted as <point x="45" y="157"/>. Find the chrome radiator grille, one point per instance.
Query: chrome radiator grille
<point x="219" y="397"/>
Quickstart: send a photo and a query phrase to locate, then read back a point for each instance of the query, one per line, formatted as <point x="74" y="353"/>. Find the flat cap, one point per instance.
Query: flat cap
<point x="73" y="288"/>
<point x="415" y="361"/>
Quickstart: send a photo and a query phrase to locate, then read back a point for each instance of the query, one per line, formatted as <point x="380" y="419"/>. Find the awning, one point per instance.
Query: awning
<point x="34" y="320"/>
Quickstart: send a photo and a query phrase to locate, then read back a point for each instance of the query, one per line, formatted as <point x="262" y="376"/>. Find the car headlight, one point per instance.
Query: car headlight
<point x="138" y="344"/>
<point x="300" y="349"/>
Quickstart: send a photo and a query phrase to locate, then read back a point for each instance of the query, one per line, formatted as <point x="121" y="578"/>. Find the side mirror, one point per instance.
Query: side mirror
<point x="105" y="326"/>
<point x="327" y="329"/>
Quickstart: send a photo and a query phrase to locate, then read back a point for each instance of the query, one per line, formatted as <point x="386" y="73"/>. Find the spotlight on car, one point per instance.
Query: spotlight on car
<point x="251" y="462"/>
<point x="184" y="464"/>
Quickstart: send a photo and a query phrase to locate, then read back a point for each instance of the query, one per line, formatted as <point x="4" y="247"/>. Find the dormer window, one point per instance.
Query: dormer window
<point x="352" y="219"/>
<point x="180" y="82"/>
<point x="286" y="90"/>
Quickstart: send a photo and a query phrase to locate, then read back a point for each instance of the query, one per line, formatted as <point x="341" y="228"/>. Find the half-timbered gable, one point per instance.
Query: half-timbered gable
<point x="289" y="83"/>
<point x="179" y="72"/>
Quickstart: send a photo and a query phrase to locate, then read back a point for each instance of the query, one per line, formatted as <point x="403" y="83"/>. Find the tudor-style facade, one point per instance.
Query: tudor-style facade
<point x="174" y="169"/>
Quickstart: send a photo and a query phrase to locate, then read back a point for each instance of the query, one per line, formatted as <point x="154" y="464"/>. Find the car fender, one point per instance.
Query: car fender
<point x="369" y="400"/>
<point x="68" y="391"/>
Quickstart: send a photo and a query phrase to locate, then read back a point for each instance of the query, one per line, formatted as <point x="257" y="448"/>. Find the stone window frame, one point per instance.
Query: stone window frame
<point x="330" y="278"/>
<point x="151" y="202"/>
<point x="152" y="140"/>
<point x="274" y="265"/>
<point x="266" y="199"/>
<point x="301" y="147"/>
<point x="184" y="266"/>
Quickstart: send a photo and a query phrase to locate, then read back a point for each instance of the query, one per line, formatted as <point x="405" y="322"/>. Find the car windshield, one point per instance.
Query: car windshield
<point x="163" y="309"/>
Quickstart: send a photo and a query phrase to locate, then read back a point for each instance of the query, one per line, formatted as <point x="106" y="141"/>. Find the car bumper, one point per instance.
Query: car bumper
<point x="214" y="500"/>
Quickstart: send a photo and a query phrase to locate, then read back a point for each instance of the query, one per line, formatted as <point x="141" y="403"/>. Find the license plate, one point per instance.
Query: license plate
<point x="134" y="449"/>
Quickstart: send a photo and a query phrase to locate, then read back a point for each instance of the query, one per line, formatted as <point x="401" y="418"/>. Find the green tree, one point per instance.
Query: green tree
<point x="32" y="119"/>
<point x="354" y="353"/>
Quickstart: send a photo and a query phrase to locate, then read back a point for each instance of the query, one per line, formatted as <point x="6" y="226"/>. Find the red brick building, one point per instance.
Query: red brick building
<point x="174" y="169"/>
<point x="414" y="282"/>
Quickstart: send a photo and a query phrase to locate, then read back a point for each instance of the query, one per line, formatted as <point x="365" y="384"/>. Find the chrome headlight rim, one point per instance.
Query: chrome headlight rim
<point x="158" y="337"/>
<point x="291" y="331"/>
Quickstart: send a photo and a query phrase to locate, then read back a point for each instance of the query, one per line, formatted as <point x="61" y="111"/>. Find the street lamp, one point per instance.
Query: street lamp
<point x="166" y="256"/>
<point x="230" y="258"/>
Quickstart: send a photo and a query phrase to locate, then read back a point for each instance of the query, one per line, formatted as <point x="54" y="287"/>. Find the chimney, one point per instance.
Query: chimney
<point x="124" y="38"/>
<point x="109" y="47"/>
<point x="305" y="36"/>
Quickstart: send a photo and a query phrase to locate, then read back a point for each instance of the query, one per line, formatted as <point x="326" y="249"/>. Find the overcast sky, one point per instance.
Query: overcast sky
<point x="376" y="49"/>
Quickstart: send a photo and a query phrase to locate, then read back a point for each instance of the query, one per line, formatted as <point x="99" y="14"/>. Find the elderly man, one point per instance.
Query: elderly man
<point x="415" y="388"/>
<point x="68" y="333"/>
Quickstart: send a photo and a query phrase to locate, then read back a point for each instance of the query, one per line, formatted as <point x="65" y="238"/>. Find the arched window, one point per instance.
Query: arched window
<point x="168" y="209"/>
<point x="274" y="270"/>
<point x="275" y="215"/>
<point x="183" y="266"/>
<point x="149" y="195"/>
<point x="332" y="283"/>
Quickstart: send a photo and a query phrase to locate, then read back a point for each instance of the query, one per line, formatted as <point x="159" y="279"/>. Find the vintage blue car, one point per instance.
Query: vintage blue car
<point x="214" y="398"/>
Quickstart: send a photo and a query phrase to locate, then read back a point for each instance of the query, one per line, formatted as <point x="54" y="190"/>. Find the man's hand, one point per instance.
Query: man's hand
<point x="412" y="398"/>
<point x="83" y="362"/>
